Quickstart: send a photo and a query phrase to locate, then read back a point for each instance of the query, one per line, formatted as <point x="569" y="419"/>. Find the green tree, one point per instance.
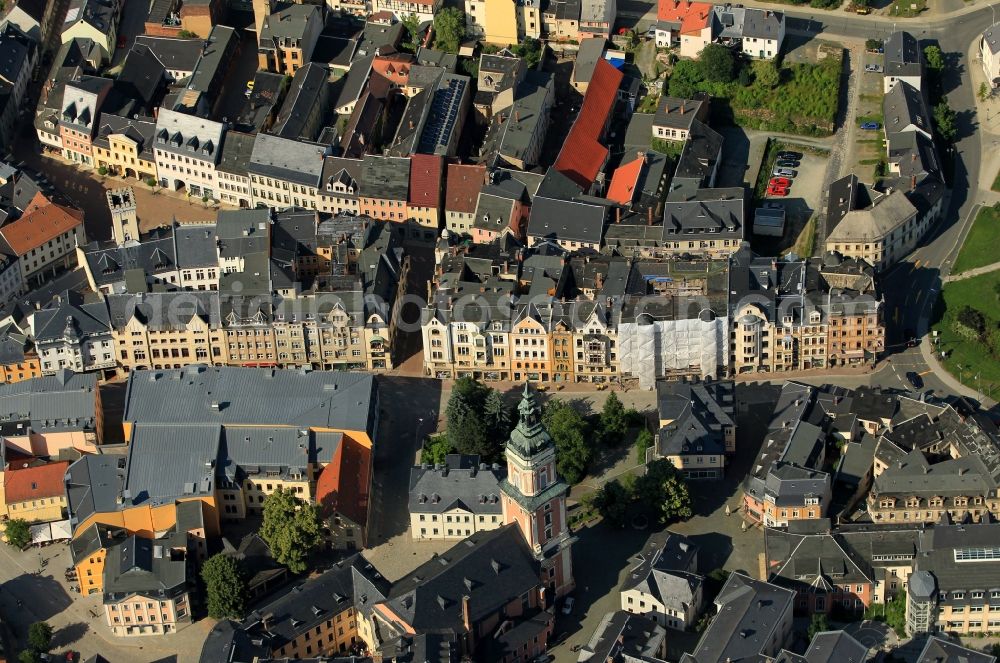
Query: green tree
<point x="412" y="26"/>
<point x="29" y="656"/>
<point x="663" y="490"/>
<point x="40" y="637"/>
<point x="984" y="91"/>
<point x="187" y="34"/>
<point x="102" y="171"/>
<point x="291" y="528"/>
<point x="934" y="58"/>
<point x="685" y="79"/>
<point x="570" y="432"/>
<point x="18" y="533"/>
<point x="717" y="64"/>
<point x="642" y="442"/>
<point x="973" y="319"/>
<point x="225" y="587"/>
<point x="449" y="29"/>
<point x="614" y="421"/>
<point x="435" y="448"/>
<point x="766" y="74"/>
<point x="467" y="429"/>
<point x="944" y="120"/>
<point x="612" y="502"/>
<point x="530" y="49"/>
<point x="151" y="183"/>
<point x="497" y="416"/>
<point x="818" y="624"/>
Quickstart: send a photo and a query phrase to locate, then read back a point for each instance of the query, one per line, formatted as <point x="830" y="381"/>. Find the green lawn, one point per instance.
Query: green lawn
<point x="979" y="293"/>
<point x="907" y="8"/>
<point x="980" y="246"/>
<point x="996" y="183"/>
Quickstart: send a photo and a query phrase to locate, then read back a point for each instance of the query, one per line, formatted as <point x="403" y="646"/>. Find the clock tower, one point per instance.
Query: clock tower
<point x="535" y="498"/>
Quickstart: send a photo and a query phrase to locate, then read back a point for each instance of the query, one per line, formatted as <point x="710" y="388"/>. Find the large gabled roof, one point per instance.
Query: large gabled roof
<point x="583" y="155"/>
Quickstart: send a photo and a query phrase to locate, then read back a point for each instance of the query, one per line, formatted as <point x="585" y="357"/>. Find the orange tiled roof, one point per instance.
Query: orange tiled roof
<point x="42" y="221"/>
<point x="395" y="67"/>
<point x="693" y="16"/>
<point x="465" y="181"/>
<point x="623" y="182"/>
<point x="33" y="483"/>
<point x="342" y="486"/>
<point x="425" y="180"/>
<point x="582" y="155"/>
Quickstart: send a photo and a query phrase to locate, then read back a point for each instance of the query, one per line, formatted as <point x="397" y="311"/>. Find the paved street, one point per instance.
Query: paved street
<point x="30" y="592"/>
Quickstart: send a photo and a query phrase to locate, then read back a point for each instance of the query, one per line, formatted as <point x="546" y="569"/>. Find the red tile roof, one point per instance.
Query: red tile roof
<point x="343" y="484"/>
<point x="693" y="16"/>
<point x="425" y="180"/>
<point x="582" y="155"/>
<point x="463" y="187"/>
<point x="623" y="182"/>
<point x="33" y="483"/>
<point x="42" y="221"/>
<point x="395" y="67"/>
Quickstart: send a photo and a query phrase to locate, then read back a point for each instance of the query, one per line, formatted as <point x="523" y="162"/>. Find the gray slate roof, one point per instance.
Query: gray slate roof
<point x="250" y="396"/>
<point x="287" y="159"/>
<point x="461" y="482"/>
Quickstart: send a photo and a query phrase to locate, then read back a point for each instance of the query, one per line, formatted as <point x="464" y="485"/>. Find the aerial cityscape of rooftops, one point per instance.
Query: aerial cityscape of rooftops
<point x="499" y="331"/>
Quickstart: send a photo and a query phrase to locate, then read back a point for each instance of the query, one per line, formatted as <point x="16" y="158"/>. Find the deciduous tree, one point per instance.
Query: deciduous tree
<point x="944" y="120"/>
<point x="291" y="528"/>
<point x="663" y="490"/>
<point x="766" y="74"/>
<point x="40" y="637"/>
<point x="571" y="434"/>
<point x="449" y="29"/>
<point x="612" y="501"/>
<point x="717" y="64"/>
<point x="614" y="421"/>
<point x="18" y="533"/>
<point x="225" y="587"/>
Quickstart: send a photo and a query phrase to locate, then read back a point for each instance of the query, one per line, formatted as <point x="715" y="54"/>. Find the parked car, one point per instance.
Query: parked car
<point x="877" y="68"/>
<point x="568" y="605"/>
<point x="778" y="191"/>
<point x="914" y="378"/>
<point x="780" y="182"/>
<point x="789" y="155"/>
<point x="787" y="163"/>
<point x="870" y="126"/>
<point x="785" y="172"/>
<point x="863" y="11"/>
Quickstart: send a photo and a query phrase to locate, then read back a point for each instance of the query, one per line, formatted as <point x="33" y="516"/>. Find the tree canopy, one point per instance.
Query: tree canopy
<point x="412" y="26"/>
<point x="435" y="449"/>
<point x="18" y="533"/>
<point x="717" y="64"/>
<point x="225" y="587"/>
<point x="291" y="528"/>
<point x="934" y="57"/>
<point x="614" y="420"/>
<point x="478" y="420"/>
<point x="944" y="120"/>
<point x="766" y="73"/>
<point x="40" y="637"/>
<point x="612" y="502"/>
<point x="449" y="29"/>
<point x="572" y="435"/>
<point x="530" y="49"/>
<point x="664" y="491"/>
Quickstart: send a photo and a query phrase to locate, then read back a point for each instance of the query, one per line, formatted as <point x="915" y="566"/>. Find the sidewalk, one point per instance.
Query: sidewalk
<point x="976" y="271"/>
<point x="931" y="15"/>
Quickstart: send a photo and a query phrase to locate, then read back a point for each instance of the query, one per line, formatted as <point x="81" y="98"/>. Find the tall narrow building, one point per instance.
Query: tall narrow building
<point x="534" y="498"/>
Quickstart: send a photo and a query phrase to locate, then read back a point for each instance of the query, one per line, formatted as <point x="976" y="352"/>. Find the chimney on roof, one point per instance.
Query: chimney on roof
<point x="517" y="116"/>
<point x="649" y="215"/>
<point x="682" y="106"/>
<point x="411" y="125"/>
<point x="618" y="215"/>
<point x="466" y="614"/>
<point x="913" y="182"/>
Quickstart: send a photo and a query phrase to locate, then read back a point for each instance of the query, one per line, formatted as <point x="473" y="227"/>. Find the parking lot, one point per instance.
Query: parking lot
<point x="867" y="149"/>
<point x="802" y="202"/>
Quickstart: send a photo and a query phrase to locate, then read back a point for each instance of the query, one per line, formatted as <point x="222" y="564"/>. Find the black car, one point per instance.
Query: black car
<point x="790" y="155"/>
<point x="915" y="379"/>
<point x="788" y="163"/>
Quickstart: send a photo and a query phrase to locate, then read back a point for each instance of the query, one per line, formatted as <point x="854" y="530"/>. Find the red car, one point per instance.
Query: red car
<point x="782" y="182"/>
<point x="778" y="191"/>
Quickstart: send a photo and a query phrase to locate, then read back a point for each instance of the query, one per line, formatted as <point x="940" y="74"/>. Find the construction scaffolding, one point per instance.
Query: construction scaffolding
<point x="652" y="349"/>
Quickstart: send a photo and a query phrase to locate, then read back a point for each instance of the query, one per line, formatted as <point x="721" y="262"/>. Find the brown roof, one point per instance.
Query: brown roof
<point x="42" y="221"/>
<point x="463" y="187"/>
<point x="33" y="483"/>
<point x="425" y="180"/>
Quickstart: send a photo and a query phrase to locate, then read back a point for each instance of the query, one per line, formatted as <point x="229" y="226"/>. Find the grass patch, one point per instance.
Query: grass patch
<point x="869" y="162"/>
<point x="648" y="104"/>
<point x="966" y="357"/>
<point x="871" y="117"/>
<point x="907" y="8"/>
<point x="805" y="243"/>
<point x="771" y="149"/>
<point x="804" y="102"/>
<point x="672" y="148"/>
<point x="980" y="245"/>
<point x="877" y="98"/>
<point x="996" y="183"/>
